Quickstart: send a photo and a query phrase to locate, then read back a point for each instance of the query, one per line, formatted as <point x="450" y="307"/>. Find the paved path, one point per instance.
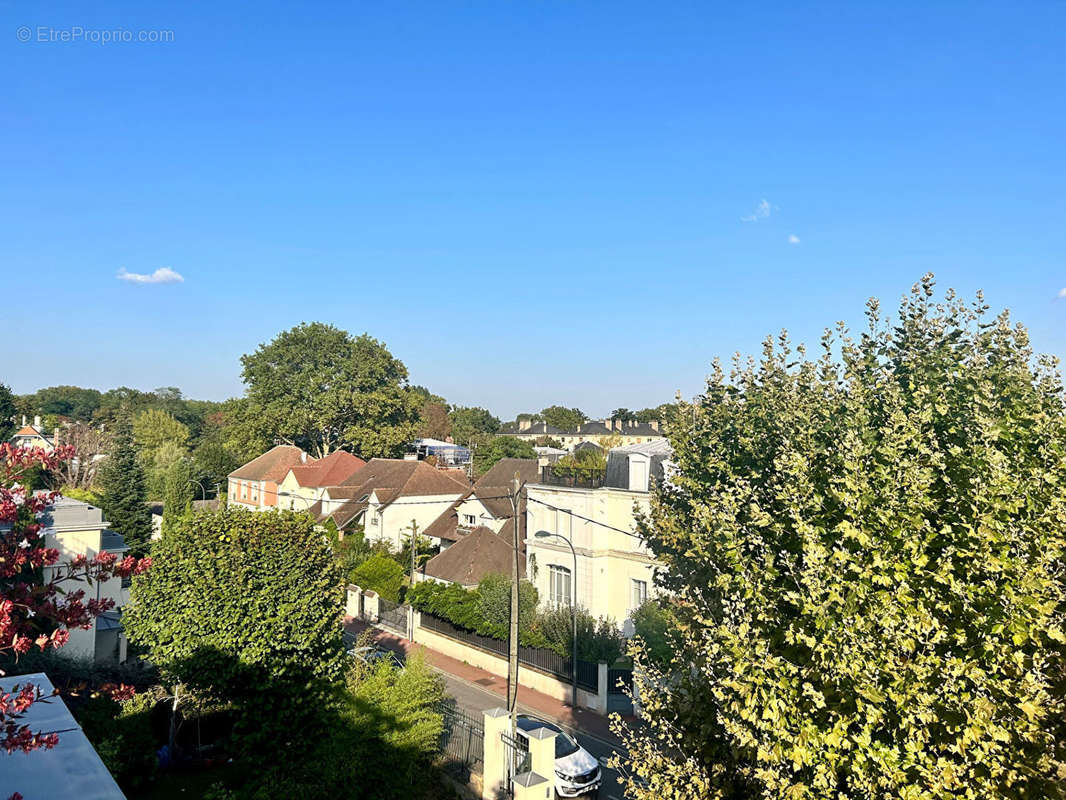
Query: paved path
<point x="477" y="690"/>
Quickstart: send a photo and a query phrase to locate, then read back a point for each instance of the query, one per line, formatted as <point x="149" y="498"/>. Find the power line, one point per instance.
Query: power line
<point x="586" y="519"/>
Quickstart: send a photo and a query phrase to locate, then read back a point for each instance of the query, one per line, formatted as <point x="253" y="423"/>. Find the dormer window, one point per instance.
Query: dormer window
<point x="469" y="520"/>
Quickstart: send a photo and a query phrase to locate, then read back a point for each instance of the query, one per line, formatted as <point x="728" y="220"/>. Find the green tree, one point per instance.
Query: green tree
<point x="434" y="421"/>
<point x="865" y="552"/>
<point x="661" y="414"/>
<point x="494" y="601"/>
<point x="381" y="574"/>
<point x="319" y="388"/>
<point x="654" y="623"/>
<point x="67" y="401"/>
<point x="153" y="428"/>
<point x="166" y="458"/>
<point x="125" y="493"/>
<point x="623" y="414"/>
<point x="566" y="419"/>
<point x="244" y="606"/>
<point x="8" y="410"/>
<point x="178" y="491"/>
<point x="498" y="447"/>
<point x="471" y="424"/>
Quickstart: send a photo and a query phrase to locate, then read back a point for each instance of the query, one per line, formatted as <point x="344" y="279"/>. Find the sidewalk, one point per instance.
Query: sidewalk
<point x="548" y="707"/>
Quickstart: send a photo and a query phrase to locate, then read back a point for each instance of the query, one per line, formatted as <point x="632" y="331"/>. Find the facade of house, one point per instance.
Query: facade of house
<point x="387" y="494"/>
<point x="615" y="570"/>
<point x="76" y="528"/>
<point x="34" y="436"/>
<point x="305" y="484"/>
<point x="255" y="484"/>
<point x="597" y="432"/>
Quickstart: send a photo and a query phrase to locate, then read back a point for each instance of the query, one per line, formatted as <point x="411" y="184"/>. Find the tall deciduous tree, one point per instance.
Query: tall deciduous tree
<point x="319" y="388"/>
<point x="90" y="444"/>
<point x="153" y="429"/>
<point x="566" y="419"/>
<point x="865" y="555"/>
<point x="499" y="447"/>
<point x="8" y="409"/>
<point x="125" y="492"/>
<point x="244" y="607"/>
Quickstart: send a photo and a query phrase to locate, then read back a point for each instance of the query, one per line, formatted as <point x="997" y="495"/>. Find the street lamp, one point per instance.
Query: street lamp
<point x="203" y="491"/>
<point x="573" y="607"/>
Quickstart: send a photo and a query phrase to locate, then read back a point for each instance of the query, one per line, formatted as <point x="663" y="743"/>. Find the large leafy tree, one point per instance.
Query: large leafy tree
<point x="244" y="607"/>
<point x="125" y="490"/>
<point x="68" y="401"/>
<point x="8" y="409"/>
<point x="471" y="424"/>
<point x="500" y="447"/>
<point x="90" y="444"/>
<point x="319" y="388"/>
<point x="154" y="428"/>
<point x="865" y="554"/>
<point x="566" y="419"/>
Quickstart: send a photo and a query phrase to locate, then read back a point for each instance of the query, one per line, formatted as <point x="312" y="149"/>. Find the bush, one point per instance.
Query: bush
<point x="655" y="624"/>
<point x="122" y="734"/>
<point x="380" y="574"/>
<point x="463" y="609"/>
<point x="494" y="601"/>
<point x="597" y="639"/>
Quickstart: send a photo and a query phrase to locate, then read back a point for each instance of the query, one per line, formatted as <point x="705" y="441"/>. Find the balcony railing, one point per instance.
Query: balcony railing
<point x="572" y="477"/>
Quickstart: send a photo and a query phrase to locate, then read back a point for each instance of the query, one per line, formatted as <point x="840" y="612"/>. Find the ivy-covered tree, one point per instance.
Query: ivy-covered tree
<point x="244" y="607"/>
<point x="317" y="387"/>
<point x="865" y="556"/>
<point x="125" y="492"/>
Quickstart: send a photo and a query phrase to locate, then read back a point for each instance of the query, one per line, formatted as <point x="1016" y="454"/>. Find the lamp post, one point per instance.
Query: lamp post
<point x="573" y="607"/>
<point x="203" y="491"/>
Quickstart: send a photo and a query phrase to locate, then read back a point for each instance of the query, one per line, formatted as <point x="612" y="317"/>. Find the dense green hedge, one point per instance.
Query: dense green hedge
<point x="465" y="609"/>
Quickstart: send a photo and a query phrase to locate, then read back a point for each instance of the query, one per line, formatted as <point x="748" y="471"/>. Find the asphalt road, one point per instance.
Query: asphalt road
<point x="474" y="700"/>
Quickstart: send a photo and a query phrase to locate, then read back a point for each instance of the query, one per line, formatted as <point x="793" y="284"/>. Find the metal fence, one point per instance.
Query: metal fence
<point x="516" y="751"/>
<point x="462" y="740"/>
<point x="537" y="657"/>
<point x="618" y="680"/>
<point x="393" y="615"/>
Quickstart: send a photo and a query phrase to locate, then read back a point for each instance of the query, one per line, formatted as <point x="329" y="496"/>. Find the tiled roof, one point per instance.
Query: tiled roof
<point x="329" y="471"/>
<point x="481" y="552"/>
<point x="492" y="496"/>
<point x="272" y="465"/>
<point x="391" y="478"/>
<point x="29" y="430"/>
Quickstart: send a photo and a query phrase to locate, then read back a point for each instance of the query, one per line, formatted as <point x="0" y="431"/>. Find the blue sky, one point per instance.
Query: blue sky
<point x="531" y="202"/>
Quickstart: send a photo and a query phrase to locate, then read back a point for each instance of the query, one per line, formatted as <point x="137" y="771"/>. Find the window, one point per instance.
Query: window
<point x="638" y="594"/>
<point x="374" y="520"/>
<point x="469" y="519"/>
<point x="559" y="585"/>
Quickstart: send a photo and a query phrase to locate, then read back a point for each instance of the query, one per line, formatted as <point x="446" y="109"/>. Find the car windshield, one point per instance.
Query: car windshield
<point x="564" y="745"/>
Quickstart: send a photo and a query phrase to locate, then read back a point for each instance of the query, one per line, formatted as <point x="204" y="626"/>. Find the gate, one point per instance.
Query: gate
<point x="462" y="741"/>
<point x="618" y="681"/>
<point x="516" y="751"/>
<point x="393" y="615"/>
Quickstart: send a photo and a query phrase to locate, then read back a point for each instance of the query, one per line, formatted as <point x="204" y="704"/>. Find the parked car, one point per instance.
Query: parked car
<point x="576" y="771"/>
<point x="374" y="655"/>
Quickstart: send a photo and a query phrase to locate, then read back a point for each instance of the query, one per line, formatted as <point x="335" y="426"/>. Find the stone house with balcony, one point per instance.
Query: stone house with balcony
<point x="597" y="514"/>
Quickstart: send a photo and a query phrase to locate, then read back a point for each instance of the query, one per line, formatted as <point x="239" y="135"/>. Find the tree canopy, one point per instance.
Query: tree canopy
<point x="500" y="447"/>
<point x="319" y="388"/>
<point x="471" y="424"/>
<point x="566" y="419"/>
<point x="865" y="555"/>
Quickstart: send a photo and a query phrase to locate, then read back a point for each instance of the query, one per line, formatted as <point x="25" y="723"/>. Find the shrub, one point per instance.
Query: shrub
<point x="494" y="601"/>
<point x="597" y="639"/>
<point x="656" y="626"/>
<point x="122" y="734"/>
<point x="463" y="609"/>
<point x="380" y="574"/>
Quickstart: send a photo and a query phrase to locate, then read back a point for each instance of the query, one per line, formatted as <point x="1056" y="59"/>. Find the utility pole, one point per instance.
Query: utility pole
<point x="414" y="550"/>
<point x="512" y="636"/>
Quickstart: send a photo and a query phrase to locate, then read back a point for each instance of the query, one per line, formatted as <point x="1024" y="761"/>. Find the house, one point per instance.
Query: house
<point x="34" y="436"/>
<point x="479" y="553"/>
<point x="255" y="485"/>
<point x="72" y="770"/>
<point x="387" y="494"/>
<point x="487" y="504"/>
<point x="304" y="484"/>
<point x="76" y="528"/>
<point x="595" y="431"/>
<point x="614" y="569"/>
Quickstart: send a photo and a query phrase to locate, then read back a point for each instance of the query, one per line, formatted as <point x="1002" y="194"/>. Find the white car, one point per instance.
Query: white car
<point x="576" y="771"/>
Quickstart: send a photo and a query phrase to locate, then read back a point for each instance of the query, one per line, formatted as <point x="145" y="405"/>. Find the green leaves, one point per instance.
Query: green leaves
<point x="865" y="553"/>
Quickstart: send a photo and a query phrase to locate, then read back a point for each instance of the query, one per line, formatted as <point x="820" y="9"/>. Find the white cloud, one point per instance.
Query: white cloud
<point x="1062" y="292"/>
<point x="762" y="211"/>
<point x="793" y="239"/>
<point x="161" y="275"/>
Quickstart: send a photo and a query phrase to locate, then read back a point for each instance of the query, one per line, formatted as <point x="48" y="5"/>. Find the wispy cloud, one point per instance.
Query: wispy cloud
<point x="161" y="275"/>
<point x="762" y="211"/>
<point x="1062" y="292"/>
<point x="793" y="239"/>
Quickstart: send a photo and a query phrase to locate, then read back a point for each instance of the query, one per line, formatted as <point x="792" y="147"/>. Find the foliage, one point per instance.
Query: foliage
<point x="566" y="419"/>
<point x="319" y="388"/>
<point x="153" y="429"/>
<point x="597" y="639"/>
<point x="38" y="606"/>
<point x="213" y="461"/>
<point x="91" y="444"/>
<point x="464" y="609"/>
<point x="654" y="623"/>
<point x="548" y="441"/>
<point x="122" y="734"/>
<point x="243" y="606"/>
<point x="381" y="738"/>
<point x="435" y="423"/>
<point x="178" y="491"/>
<point x="125" y="493"/>
<point x="494" y="601"/>
<point x="624" y="415"/>
<point x="500" y="447"/>
<point x="167" y="459"/>
<point x="66" y="401"/>
<point x="7" y="413"/>
<point x="85" y="495"/>
<point x="866" y="554"/>
<point x="382" y="574"/>
<point x="472" y="424"/>
<point x="585" y="462"/>
<point x="661" y="414"/>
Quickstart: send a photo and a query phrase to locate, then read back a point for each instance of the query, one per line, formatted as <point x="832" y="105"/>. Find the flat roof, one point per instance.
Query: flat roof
<point x="71" y="770"/>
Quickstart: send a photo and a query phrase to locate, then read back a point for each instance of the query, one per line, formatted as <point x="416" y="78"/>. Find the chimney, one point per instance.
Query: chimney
<point x="23" y="420"/>
<point x="37" y="421"/>
<point x="55" y="437"/>
<point x="654" y="425"/>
